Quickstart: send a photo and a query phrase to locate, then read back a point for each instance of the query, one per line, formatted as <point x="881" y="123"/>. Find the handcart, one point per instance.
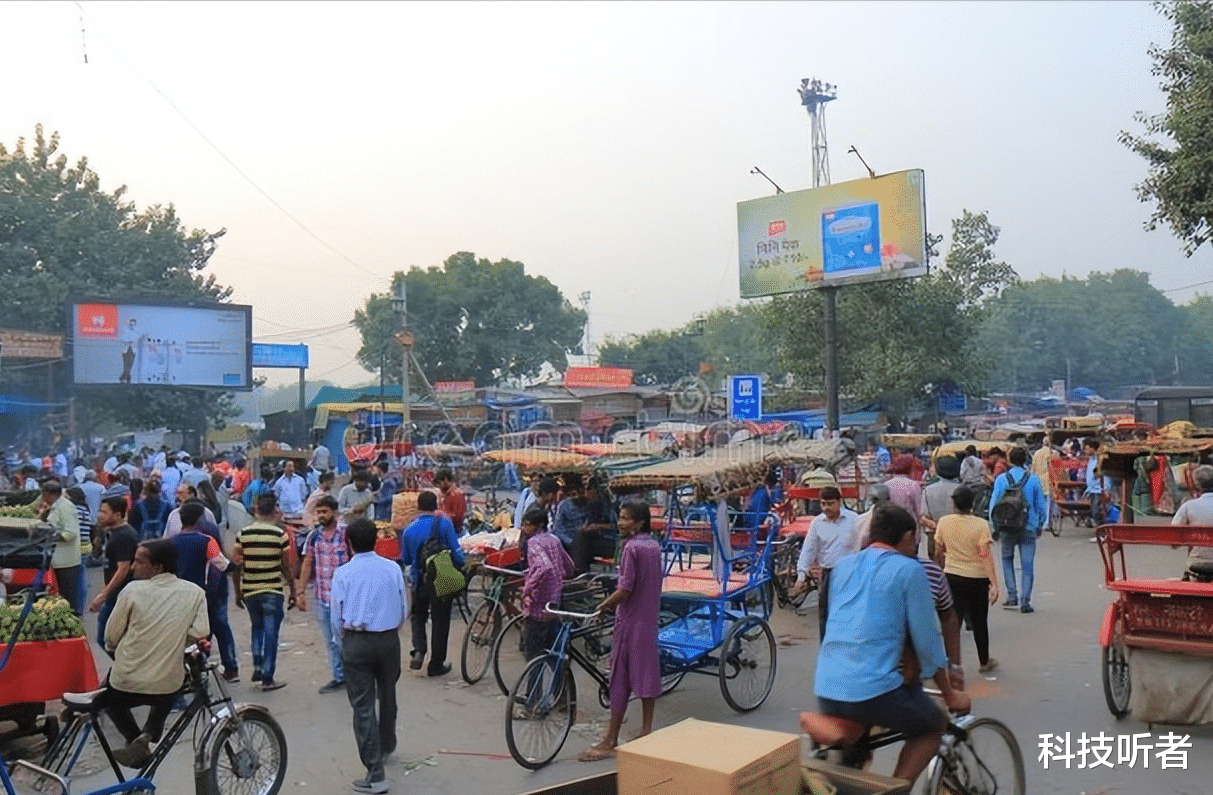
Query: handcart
<point x="1164" y="627"/>
<point x="27" y="670"/>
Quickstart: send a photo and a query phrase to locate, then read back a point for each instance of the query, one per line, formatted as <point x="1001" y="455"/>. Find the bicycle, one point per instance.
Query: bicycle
<point x="237" y="749"/>
<point x="976" y="756"/>
<point x="501" y="603"/>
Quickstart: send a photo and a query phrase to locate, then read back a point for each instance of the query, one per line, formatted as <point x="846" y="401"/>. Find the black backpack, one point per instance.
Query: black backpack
<point x="1009" y="516"/>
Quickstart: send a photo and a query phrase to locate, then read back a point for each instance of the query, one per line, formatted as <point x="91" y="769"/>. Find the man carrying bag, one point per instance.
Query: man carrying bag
<point x="430" y="539"/>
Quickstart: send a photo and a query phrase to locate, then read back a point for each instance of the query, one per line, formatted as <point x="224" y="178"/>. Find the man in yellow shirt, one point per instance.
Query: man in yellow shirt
<point x="60" y="513"/>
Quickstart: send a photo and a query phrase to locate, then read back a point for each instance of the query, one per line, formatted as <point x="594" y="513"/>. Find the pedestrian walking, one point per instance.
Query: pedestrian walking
<point x="1022" y="534"/>
<point x="262" y="552"/>
<point x="635" y="662"/>
<point x="60" y="513"/>
<point x="963" y="542"/>
<point x="324" y="550"/>
<point x="426" y="604"/>
<point x="201" y="560"/>
<point x="368" y="605"/>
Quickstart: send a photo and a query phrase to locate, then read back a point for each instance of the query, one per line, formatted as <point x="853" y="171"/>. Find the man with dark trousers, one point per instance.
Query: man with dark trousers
<point x="425" y="603"/>
<point x="367" y="604"/>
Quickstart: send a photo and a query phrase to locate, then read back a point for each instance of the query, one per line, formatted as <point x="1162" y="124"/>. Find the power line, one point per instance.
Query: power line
<point x="227" y="159"/>
<point x="1189" y="287"/>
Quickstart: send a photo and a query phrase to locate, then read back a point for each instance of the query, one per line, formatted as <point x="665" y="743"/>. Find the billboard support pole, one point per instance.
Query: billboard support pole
<point x="831" y="342"/>
<point x="303" y="430"/>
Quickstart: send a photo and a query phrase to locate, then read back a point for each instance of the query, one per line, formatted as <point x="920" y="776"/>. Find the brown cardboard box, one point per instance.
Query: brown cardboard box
<point x="699" y="758"/>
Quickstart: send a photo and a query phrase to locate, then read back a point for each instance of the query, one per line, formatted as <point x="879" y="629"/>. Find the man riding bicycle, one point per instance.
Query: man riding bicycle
<point x="881" y="609"/>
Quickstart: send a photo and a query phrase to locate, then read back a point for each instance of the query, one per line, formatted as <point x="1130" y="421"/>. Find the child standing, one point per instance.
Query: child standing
<point x="547" y="566"/>
<point x="635" y="663"/>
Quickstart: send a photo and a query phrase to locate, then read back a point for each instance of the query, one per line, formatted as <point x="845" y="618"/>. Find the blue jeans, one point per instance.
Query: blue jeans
<point x="103" y="618"/>
<point x="1027" y="564"/>
<point x="324" y="615"/>
<point x="216" y="610"/>
<point x="265" y="614"/>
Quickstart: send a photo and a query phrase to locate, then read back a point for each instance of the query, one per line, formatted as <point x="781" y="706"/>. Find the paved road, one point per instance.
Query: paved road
<point x="451" y="735"/>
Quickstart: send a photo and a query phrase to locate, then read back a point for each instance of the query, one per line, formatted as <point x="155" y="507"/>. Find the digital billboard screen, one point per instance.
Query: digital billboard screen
<point x="160" y="345"/>
<point x="858" y="231"/>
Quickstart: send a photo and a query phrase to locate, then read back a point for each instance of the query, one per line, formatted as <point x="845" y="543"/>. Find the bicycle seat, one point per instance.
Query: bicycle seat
<point x="81" y="702"/>
<point x="831" y="731"/>
<point x="1201" y="568"/>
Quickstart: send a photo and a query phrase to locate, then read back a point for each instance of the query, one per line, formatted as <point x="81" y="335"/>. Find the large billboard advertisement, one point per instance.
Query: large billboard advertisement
<point x="859" y="231"/>
<point x="155" y="345"/>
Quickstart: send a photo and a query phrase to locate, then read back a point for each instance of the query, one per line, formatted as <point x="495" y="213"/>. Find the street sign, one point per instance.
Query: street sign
<point x="266" y="355"/>
<point x="745" y="397"/>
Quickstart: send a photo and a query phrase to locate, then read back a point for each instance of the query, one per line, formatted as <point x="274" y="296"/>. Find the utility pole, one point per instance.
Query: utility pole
<point x="814" y="95"/>
<point x="401" y="305"/>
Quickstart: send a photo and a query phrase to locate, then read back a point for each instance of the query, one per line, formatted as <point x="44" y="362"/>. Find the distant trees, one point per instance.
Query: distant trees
<point x="473" y="319"/>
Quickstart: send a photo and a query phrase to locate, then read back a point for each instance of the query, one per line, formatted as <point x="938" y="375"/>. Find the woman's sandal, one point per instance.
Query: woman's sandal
<point x="596" y="753"/>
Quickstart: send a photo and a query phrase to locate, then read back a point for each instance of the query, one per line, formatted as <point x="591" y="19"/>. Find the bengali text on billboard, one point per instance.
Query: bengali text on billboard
<point x="858" y="231"/>
<point x="148" y="345"/>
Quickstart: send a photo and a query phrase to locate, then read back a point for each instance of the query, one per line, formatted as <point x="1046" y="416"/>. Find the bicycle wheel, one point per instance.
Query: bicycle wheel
<point x="986" y="762"/>
<point x="783" y="574"/>
<point x="478" y="641"/>
<point x="508" y="657"/>
<point x="1117" y="686"/>
<point x="248" y="756"/>
<point x="540" y="711"/>
<point x="747" y="664"/>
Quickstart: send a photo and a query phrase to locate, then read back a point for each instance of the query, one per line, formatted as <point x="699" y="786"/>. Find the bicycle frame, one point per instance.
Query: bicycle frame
<point x="566" y="651"/>
<point x="65" y="751"/>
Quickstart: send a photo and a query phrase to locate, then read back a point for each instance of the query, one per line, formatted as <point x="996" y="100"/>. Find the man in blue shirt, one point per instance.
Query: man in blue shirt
<point x="426" y="604"/>
<point x="762" y="501"/>
<point x="367" y="605"/>
<point x="1038" y="514"/>
<point x="880" y="603"/>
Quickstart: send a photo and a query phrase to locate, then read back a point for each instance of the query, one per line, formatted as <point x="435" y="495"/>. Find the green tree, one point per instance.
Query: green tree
<point x="62" y="237"/>
<point x="1180" y="179"/>
<point x="900" y="342"/>
<point x="473" y="319"/>
<point x="656" y="358"/>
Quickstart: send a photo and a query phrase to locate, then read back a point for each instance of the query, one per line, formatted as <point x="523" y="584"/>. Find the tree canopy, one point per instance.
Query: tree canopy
<point x="1180" y="179"/>
<point x="901" y="341"/>
<point x="473" y="319"/>
<point x="63" y="237"/>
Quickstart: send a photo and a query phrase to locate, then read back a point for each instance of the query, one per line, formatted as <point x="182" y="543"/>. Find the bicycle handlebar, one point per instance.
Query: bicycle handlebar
<point x="552" y="608"/>
<point x="506" y="572"/>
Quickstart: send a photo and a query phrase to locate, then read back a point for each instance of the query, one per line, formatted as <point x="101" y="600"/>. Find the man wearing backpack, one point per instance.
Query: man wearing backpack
<point x="1018" y="512"/>
<point x="426" y="536"/>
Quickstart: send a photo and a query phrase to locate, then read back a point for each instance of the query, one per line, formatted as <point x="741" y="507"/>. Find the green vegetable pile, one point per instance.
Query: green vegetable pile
<point x="50" y="619"/>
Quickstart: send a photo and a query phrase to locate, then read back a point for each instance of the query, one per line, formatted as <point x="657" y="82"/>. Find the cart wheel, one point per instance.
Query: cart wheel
<point x="540" y="711"/>
<point x="1117" y="686"/>
<point x="747" y="664"/>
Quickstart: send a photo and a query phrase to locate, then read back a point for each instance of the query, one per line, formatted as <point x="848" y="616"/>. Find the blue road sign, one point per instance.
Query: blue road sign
<point x="265" y="355"/>
<point x="745" y="397"/>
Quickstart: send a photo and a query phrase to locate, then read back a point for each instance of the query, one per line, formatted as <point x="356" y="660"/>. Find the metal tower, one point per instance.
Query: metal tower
<point x="586" y="346"/>
<point x="814" y="95"/>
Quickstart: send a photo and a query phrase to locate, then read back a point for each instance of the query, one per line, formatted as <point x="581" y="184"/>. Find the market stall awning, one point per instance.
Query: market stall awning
<point x="540" y="459"/>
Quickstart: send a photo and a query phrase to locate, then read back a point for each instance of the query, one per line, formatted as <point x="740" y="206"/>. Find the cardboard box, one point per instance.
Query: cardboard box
<point x="699" y="758"/>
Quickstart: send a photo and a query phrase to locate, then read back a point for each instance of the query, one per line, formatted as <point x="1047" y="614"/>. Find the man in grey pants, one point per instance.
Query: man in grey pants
<point x="368" y="605"/>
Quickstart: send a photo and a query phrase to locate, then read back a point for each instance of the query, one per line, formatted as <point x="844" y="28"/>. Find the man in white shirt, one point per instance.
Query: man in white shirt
<point x="292" y="491"/>
<point x="1199" y="512"/>
<point x="321" y="458"/>
<point x="831" y="537"/>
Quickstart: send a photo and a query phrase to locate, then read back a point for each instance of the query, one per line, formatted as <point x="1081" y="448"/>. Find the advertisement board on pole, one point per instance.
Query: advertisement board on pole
<point x="206" y="345"/>
<point x="277" y="355"/>
<point x="598" y="377"/>
<point x="745" y="397"/>
<point x="858" y="231"/>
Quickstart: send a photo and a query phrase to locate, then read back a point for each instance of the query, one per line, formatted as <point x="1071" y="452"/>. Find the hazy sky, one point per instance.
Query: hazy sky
<point x="605" y="145"/>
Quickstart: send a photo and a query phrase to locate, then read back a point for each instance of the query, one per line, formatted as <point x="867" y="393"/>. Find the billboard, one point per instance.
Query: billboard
<point x="598" y="377"/>
<point x="160" y="345"/>
<point x="858" y="231"/>
<point x="274" y="355"/>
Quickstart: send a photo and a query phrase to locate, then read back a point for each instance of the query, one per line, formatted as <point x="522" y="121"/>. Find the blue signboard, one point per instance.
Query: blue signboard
<point x="279" y="355"/>
<point x="745" y="397"/>
<point x="952" y="404"/>
<point x="850" y="238"/>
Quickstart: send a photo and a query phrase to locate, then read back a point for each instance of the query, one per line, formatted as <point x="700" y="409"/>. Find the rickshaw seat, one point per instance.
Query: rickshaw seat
<point x="1202" y="567"/>
<point x="81" y="702"/>
<point x="1170" y="587"/>
<point x="831" y="731"/>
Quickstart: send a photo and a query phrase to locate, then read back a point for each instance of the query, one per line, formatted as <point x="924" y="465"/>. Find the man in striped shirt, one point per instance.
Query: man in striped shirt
<point x="262" y="552"/>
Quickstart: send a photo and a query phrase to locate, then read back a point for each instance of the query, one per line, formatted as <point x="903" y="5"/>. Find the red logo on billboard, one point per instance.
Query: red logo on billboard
<point x="97" y="320"/>
<point x="776" y="228"/>
<point x="598" y="377"/>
